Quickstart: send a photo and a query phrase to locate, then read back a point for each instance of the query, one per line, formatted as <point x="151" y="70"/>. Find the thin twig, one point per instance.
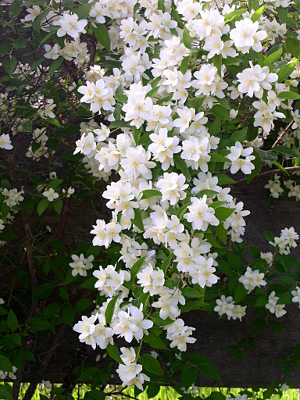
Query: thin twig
<point x="282" y="134"/>
<point x="267" y="173"/>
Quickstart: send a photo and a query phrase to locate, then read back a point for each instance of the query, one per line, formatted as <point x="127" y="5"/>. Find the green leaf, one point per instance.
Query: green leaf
<point x="285" y="298"/>
<point x="51" y="311"/>
<point x="240" y="292"/>
<point x="10" y="63"/>
<point x="68" y="315"/>
<point x="42" y="206"/>
<point x="136" y="267"/>
<point x="5" y="364"/>
<point x="258" y="325"/>
<point x="288" y="96"/>
<point x="234" y="15"/>
<point x="150" y="193"/>
<point x="114" y="353"/>
<point x="150" y="364"/>
<point x="54" y="66"/>
<point x="6" y="390"/>
<point x="154" y="341"/>
<point x="217" y="62"/>
<point x="43" y="290"/>
<point x="273" y="57"/>
<point x="220" y="112"/>
<point x="184" y="65"/>
<point x="166" y="263"/>
<point x="109" y="312"/>
<point x="276" y="326"/>
<point x="292" y="46"/>
<point x="221" y="233"/>
<point x="206" y="192"/>
<point x="210" y="371"/>
<point x="282" y="14"/>
<point x="181" y="165"/>
<point x="278" y="165"/>
<point x="5" y="48"/>
<point x="102" y="36"/>
<point x="37" y="324"/>
<point x="83" y="304"/>
<point x="138" y="219"/>
<point x="258" y="13"/>
<point x="57" y="206"/>
<point x="253" y="4"/>
<point x="214" y="157"/>
<point x="222" y="213"/>
<point x="186" y="38"/>
<point x="119" y="124"/>
<point x="192" y="293"/>
<point x="84" y="11"/>
<point x="192" y="305"/>
<point x="286" y="70"/>
<point x="286" y="150"/>
<point x="189" y="376"/>
<point x="225" y="180"/>
<point x="12" y="321"/>
<point x="161" y="5"/>
<point x="152" y="390"/>
<point x="239" y="136"/>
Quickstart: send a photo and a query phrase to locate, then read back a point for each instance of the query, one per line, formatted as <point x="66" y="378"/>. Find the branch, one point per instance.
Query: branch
<point x="267" y="173"/>
<point x="282" y="134"/>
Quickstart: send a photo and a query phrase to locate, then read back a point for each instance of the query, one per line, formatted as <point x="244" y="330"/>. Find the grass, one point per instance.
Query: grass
<point x="165" y="393"/>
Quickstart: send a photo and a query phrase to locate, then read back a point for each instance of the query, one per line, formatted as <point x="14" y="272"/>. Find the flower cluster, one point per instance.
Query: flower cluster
<point x="273" y="307"/>
<point x="81" y="264"/>
<point x="286" y="240"/>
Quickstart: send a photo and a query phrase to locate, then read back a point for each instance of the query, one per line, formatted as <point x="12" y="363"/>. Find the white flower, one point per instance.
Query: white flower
<point x="5" y="142"/>
<point x="51" y="195"/>
<point x="69" y="25"/>
<point x="245" y="35"/>
<point x="200" y="215"/>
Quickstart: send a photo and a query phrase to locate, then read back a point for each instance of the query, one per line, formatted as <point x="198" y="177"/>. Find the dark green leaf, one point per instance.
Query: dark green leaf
<point x="154" y="341"/>
<point x="214" y="157"/>
<point x="54" y="66"/>
<point x="292" y="46"/>
<point x="186" y="38"/>
<point x="138" y="219"/>
<point x="150" y="364"/>
<point x="12" y="321"/>
<point x="109" y="312"/>
<point x="150" y="193"/>
<point x="10" y="63"/>
<point x="102" y="36"/>
<point x="192" y="305"/>
<point x="189" y="376"/>
<point x="57" y="206"/>
<point x="43" y="290"/>
<point x="222" y="213"/>
<point x="285" y="150"/>
<point x="181" y="165"/>
<point x="288" y="96"/>
<point x="286" y="70"/>
<point x="192" y="293"/>
<point x="42" y="206"/>
<point x="68" y="315"/>
<point x="225" y="180"/>
<point x="83" y="304"/>
<point x="136" y="267"/>
<point x="114" y="353"/>
<point x="5" y="364"/>
<point x="84" y="11"/>
<point x="273" y="57"/>
<point x="240" y="292"/>
<point x="258" y="325"/>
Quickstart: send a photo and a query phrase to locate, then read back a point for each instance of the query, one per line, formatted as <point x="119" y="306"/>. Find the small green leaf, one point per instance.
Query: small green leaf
<point x="184" y="65"/>
<point x="102" y="36"/>
<point x="240" y="292"/>
<point x="258" y="13"/>
<point x="42" y="206"/>
<point x="5" y="364"/>
<point x="192" y="293"/>
<point x="288" y="96"/>
<point x="234" y="15"/>
<point x="150" y="193"/>
<point x="119" y="124"/>
<point x="192" y="305"/>
<point x="109" y="312"/>
<point x="214" y="157"/>
<point x="292" y="46"/>
<point x="273" y="57"/>
<point x="84" y="11"/>
<point x="253" y="4"/>
<point x="278" y="165"/>
<point x="181" y="165"/>
<point x="258" y="325"/>
<point x="83" y="304"/>
<point x="186" y="38"/>
<point x="286" y="150"/>
<point x="286" y="70"/>
<point x="239" y="136"/>
<point x="166" y="263"/>
<point x="57" y="206"/>
<point x="43" y="290"/>
<point x="189" y="376"/>
<point x="6" y="390"/>
<point x="10" y="63"/>
<point x="154" y="341"/>
<point x="12" y="321"/>
<point x="114" y="353"/>
<point x="222" y="213"/>
<point x="225" y="180"/>
<point x="68" y="315"/>
<point x="5" y="48"/>
<point x="150" y="364"/>
<point x="138" y="220"/>
<point x="54" y="66"/>
<point x="221" y="234"/>
<point x="136" y="267"/>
